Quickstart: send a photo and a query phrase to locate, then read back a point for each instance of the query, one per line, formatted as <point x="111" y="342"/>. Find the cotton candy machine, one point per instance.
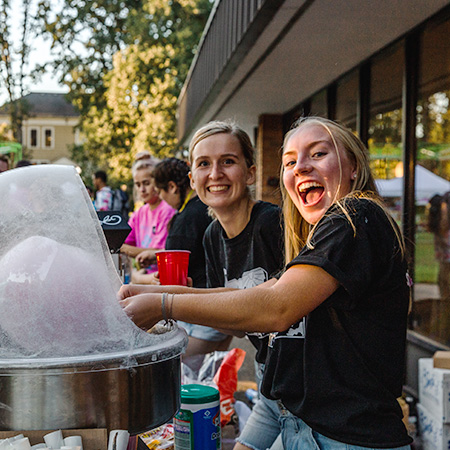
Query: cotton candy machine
<point x="69" y="355"/>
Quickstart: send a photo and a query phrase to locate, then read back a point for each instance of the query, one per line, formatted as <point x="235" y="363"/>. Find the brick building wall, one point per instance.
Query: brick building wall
<point x="268" y="145"/>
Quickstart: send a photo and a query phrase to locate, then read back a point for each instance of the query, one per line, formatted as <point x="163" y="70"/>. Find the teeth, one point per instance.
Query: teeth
<point x="217" y="188"/>
<point x="305" y="186"/>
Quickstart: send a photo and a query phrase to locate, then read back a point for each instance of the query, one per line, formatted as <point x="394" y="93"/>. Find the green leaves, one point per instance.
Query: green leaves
<point x="125" y="62"/>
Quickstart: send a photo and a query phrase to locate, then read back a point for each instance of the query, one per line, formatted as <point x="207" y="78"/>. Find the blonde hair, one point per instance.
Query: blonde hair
<point x="225" y="127"/>
<point x="298" y="232"/>
<point x="148" y="163"/>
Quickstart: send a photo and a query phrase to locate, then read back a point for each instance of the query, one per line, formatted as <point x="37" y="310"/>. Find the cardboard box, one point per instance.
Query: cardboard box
<point x="434" y="389"/>
<point x="93" y="438"/>
<point x="435" y="434"/>
<point x="441" y="360"/>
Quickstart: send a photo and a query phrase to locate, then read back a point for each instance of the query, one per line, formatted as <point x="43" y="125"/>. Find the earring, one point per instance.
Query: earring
<point x="354" y="176"/>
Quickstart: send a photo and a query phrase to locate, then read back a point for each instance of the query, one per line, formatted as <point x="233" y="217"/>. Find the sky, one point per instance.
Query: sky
<point x="40" y="53"/>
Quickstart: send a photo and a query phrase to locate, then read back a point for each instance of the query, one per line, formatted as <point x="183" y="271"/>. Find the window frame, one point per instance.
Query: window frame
<point x="52" y="131"/>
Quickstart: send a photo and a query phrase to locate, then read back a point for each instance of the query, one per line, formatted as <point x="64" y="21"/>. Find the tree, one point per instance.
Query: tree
<point x="15" y="70"/>
<point x="85" y="35"/>
<point x="135" y="58"/>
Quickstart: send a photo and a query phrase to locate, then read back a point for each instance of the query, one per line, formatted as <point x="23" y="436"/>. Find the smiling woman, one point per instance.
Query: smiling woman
<point x="316" y="172"/>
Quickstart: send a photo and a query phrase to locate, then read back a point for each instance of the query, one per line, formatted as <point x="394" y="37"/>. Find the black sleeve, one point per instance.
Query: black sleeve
<point x="353" y="256"/>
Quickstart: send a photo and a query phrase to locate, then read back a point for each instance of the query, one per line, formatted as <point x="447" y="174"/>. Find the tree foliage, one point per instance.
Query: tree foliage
<point x="16" y="72"/>
<point x="125" y="62"/>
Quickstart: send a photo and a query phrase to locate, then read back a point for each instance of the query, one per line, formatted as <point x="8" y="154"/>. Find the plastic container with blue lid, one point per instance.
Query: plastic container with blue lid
<point x="197" y="423"/>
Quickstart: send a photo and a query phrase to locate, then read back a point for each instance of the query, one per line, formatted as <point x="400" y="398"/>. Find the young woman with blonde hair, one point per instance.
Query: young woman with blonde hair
<point x="338" y="313"/>
<point x="243" y="246"/>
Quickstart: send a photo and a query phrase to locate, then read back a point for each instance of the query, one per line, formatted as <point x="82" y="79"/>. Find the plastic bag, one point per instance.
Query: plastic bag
<point x="226" y="380"/>
<point x="201" y="369"/>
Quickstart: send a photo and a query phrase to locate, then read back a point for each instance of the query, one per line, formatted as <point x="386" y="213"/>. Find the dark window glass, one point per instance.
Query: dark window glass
<point x="33" y="138"/>
<point x="48" y="137"/>
<point x="431" y="310"/>
<point x="385" y="125"/>
<point x="347" y="100"/>
<point x="319" y="104"/>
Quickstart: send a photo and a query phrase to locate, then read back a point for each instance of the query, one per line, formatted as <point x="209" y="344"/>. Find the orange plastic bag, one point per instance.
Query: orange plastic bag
<point x="226" y="380"/>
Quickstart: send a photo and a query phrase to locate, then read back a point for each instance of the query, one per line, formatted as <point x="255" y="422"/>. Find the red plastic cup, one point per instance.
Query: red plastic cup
<point x="173" y="266"/>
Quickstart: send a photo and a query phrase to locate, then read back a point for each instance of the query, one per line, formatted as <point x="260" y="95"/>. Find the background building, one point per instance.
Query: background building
<point x="49" y="130"/>
<point x="380" y="67"/>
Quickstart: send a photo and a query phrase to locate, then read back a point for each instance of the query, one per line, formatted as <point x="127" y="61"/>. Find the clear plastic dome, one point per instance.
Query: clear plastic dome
<point x="58" y="283"/>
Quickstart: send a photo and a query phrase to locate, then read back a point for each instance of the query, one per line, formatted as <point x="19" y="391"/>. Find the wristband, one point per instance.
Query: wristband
<point x="163" y="306"/>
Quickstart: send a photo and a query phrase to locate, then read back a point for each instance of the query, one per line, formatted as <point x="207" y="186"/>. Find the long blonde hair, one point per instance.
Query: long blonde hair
<point x="298" y="232"/>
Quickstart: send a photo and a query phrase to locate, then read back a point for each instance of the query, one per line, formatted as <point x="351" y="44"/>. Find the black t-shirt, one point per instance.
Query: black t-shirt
<point x="186" y="233"/>
<point x="246" y="260"/>
<point x="342" y="367"/>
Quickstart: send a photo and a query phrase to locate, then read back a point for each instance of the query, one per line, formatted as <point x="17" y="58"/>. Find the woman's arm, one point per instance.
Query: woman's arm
<point x="133" y="251"/>
<point x="130" y="290"/>
<point x="271" y="306"/>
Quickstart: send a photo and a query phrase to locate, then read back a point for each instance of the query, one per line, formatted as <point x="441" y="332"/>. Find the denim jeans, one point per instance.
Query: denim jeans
<point x="297" y="435"/>
<point x="262" y="430"/>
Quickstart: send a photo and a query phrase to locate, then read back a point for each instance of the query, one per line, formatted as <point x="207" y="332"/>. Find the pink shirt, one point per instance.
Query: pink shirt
<point x="103" y="199"/>
<point x="149" y="227"/>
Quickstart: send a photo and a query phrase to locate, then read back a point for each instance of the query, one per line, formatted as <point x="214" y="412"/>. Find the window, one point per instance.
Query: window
<point x="431" y="312"/>
<point x="347" y="100"/>
<point x="33" y="137"/>
<point x="48" y="141"/>
<point x="319" y="104"/>
<point x="385" y="120"/>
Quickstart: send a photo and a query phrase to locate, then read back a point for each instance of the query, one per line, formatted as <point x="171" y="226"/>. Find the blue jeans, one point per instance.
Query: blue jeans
<point x="299" y="436"/>
<point x="202" y="332"/>
<point x="262" y="430"/>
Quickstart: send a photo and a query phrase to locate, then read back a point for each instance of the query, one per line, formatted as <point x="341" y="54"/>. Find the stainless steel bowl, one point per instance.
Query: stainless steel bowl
<point x="135" y="392"/>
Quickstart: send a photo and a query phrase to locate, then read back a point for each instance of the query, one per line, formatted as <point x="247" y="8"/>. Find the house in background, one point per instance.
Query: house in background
<point x="49" y="131"/>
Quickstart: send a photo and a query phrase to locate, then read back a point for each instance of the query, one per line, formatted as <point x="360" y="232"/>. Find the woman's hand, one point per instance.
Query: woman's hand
<point x="142" y="277"/>
<point x="130" y="290"/>
<point x="146" y="257"/>
<point x="143" y="309"/>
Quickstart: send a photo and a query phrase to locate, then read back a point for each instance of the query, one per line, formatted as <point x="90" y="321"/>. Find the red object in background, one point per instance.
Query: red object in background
<point x="226" y="380"/>
<point x="173" y="266"/>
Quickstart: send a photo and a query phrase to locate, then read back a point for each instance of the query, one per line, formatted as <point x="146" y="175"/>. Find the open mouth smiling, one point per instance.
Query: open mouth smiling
<point x="311" y="192"/>
<point x="217" y="188"/>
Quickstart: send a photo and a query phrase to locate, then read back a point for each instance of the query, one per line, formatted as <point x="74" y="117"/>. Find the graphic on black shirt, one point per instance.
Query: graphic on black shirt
<point x="247" y="260"/>
<point x="249" y="279"/>
<point x="296" y="331"/>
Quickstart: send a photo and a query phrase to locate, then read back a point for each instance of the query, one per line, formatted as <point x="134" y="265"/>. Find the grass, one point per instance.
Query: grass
<point x="426" y="269"/>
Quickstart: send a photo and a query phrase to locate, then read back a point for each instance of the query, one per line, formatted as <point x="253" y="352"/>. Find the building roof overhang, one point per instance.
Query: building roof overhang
<point x="302" y="47"/>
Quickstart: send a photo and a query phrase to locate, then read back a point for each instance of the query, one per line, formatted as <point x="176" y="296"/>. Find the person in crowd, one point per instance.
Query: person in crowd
<point x="23" y="163"/>
<point x="149" y="223"/>
<point x="186" y="232"/>
<point x="338" y="313"/>
<point x="143" y="154"/>
<point x="438" y="223"/>
<point x="103" y="194"/>
<point x="4" y="163"/>
<point x="243" y="246"/>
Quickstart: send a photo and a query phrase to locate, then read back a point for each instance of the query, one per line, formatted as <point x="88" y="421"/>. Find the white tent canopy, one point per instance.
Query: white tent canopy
<point x="427" y="185"/>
